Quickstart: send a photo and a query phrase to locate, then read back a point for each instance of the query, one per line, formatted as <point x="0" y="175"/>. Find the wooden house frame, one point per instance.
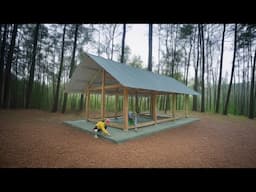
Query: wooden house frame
<point x="102" y="81"/>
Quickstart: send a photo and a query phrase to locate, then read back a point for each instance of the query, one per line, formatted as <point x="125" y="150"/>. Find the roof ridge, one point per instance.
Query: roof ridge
<point x="127" y="65"/>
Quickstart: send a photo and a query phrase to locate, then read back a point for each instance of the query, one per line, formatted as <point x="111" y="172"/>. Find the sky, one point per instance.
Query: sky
<point x="137" y="39"/>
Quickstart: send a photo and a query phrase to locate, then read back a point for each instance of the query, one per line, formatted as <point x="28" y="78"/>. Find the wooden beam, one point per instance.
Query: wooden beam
<point x="136" y="103"/>
<point x="102" y="111"/>
<point x="174" y="96"/>
<point x="87" y="107"/>
<point x="113" y="86"/>
<point x="186" y="105"/>
<point x="170" y="105"/>
<point x="154" y="107"/>
<point x="117" y="125"/>
<point x="106" y="87"/>
<point x="144" y="124"/>
<point x="90" y="68"/>
<point x="112" y="116"/>
<point x="125" y="108"/>
<point x="116" y="104"/>
<point x="167" y="119"/>
<point x="93" y="78"/>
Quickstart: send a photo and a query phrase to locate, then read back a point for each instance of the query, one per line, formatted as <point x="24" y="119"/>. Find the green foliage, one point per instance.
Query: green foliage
<point x="247" y="33"/>
<point x="136" y="62"/>
<point x="178" y="76"/>
<point x="127" y="53"/>
<point x="186" y="31"/>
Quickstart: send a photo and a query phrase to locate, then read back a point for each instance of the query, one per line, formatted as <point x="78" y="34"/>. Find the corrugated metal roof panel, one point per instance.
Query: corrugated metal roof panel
<point x="126" y="75"/>
<point x="141" y="79"/>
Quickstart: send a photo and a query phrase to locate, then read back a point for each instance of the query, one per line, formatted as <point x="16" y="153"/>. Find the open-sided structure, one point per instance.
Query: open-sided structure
<point x="106" y="77"/>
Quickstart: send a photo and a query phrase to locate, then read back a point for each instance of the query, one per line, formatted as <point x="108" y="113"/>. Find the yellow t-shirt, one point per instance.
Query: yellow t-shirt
<point x="101" y="125"/>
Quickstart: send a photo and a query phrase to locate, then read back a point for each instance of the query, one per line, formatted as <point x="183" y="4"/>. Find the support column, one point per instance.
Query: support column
<point x="136" y="103"/>
<point x="116" y="103"/>
<point x="102" y="112"/>
<point x="125" y="109"/>
<point x="186" y="105"/>
<point x="174" y="96"/>
<point x="154" y="108"/>
<point x="87" y="107"/>
<point x="170" y="105"/>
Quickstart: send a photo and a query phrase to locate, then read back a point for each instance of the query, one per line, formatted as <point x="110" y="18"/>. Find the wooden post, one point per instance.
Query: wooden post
<point x="174" y="96"/>
<point x="153" y="104"/>
<point x="116" y="102"/>
<point x="136" y="103"/>
<point x="170" y="105"/>
<point x="102" y="112"/>
<point x="87" y="107"/>
<point x="186" y="105"/>
<point x="125" y="109"/>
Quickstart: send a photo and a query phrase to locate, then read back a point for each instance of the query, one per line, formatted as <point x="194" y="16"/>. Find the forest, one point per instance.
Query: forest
<point x="37" y="61"/>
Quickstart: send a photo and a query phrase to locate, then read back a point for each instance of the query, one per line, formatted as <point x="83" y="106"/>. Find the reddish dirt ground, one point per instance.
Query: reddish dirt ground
<point x="33" y="138"/>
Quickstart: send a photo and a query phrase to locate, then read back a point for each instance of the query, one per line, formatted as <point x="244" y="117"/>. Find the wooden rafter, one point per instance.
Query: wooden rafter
<point x="94" y="76"/>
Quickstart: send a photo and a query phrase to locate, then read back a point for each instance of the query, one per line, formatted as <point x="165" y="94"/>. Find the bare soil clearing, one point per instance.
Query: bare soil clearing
<point x="33" y="138"/>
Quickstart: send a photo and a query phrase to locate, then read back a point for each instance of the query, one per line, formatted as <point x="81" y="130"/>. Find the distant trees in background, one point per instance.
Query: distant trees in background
<point x="30" y="63"/>
<point x="37" y="60"/>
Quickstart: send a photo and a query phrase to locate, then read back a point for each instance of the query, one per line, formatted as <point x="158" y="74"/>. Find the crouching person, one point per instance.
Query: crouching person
<point x="101" y="126"/>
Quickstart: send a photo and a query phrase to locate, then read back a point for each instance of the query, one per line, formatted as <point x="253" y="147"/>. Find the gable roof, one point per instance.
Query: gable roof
<point x="126" y="75"/>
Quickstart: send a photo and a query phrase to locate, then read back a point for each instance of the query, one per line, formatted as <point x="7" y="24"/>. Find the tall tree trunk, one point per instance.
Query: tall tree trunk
<point x="74" y="52"/>
<point x="189" y="54"/>
<point x="56" y="99"/>
<point x="0" y="35"/>
<point x="123" y="43"/>
<point x="203" y="63"/>
<point x="234" y="93"/>
<point x="71" y="68"/>
<point x="159" y="48"/>
<point x="252" y="98"/>
<point x="232" y="73"/>
<point x="196" y="72"/>
<point x="32" y="67"/>
<point x="16" y="96"/>
<point x="242" y="102"/>
<point x="81" y="102"/>
<point x="150" y="30"/>
<point x="220" y="72"/>
<point x="214" y="88"/>
<point x="247" y="97"/>
<point x="2" y="54"/>
<point x="8" y="68"/>
<point x="112" y="44"/>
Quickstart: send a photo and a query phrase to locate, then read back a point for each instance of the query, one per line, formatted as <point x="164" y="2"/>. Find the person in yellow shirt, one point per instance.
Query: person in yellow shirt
<point x="101" y="126"/>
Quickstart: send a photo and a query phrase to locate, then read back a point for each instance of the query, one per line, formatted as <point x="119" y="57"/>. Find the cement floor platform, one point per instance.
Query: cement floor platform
<point x="118" y="135"/>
